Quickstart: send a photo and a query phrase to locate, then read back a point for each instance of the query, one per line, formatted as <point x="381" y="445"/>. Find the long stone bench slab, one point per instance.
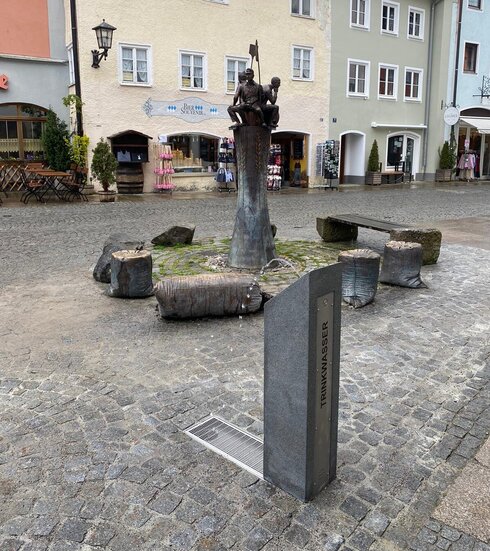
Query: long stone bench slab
<point x="344" y="227"/>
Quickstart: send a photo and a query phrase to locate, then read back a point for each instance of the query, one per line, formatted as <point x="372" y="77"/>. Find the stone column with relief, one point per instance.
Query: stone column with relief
<point x="252" y="244"/>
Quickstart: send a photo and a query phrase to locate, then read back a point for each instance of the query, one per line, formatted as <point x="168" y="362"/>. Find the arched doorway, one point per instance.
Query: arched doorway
<point x="291" y="151"/>
<point x="352" y="157"/>
<point x="474" y="137"/>
<point x="403" y="147"/>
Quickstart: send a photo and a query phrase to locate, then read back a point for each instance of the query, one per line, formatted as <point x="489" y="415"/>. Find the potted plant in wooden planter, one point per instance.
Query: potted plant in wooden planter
<point x="373" y="173"/>
<point x="447" y="160"/>
<point x="103" y="168"/>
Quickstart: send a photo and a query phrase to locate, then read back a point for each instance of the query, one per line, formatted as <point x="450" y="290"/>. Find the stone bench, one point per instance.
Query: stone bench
<point x="344" y="227"/>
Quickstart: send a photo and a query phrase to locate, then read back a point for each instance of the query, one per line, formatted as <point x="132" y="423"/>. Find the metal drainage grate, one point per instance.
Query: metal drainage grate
<point x="238" y="446"/>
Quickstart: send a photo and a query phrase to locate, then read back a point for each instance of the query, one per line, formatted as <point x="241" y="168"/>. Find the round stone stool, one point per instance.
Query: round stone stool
<point x="429" y="238"/>
<point x="401" y="264"/>
<point x="360" y="269"/>
<point x="131" y="273"/>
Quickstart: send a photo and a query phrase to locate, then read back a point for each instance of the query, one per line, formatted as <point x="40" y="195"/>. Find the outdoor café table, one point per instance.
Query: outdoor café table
<point x="53" y="180"/>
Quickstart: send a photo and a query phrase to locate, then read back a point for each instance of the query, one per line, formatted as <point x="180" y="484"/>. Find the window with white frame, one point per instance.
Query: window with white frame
<point x="470" y="57"/>
<point x="475" y="4"/>
<point x="234" y="65"/>
<point x="135" y="64"/>
<point x="302" y="63"/>
<point x="359" y="13"/>
<point x="71" y="65"/>
<point x="357" y="78"/>
<point x="413" y="84"/>
<point x="388" y="81"/>
<point x="389" y="17"/>
<point x="301" y="7"/>
<point x="416" y="23"/>
<point x="192" y="70"/>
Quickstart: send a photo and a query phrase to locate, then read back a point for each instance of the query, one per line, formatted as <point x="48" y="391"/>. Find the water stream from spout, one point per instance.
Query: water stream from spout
<point x="279" y="262"/>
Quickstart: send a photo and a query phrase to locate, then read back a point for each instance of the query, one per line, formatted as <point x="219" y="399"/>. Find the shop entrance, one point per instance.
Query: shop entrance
<point x="474" y="142"/>
<point x="289" y="151"/>
<point x="352" y="158"/>
<point x="403" y="148"/>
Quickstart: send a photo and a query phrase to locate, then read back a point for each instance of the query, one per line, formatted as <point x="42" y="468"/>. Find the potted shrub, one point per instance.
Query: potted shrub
<point x="55" y="139"/>
<point x="447" y="161"/>
<point x="103" y="168"/>
<point x="78" y="146"/>
<point x="373" y="173"/>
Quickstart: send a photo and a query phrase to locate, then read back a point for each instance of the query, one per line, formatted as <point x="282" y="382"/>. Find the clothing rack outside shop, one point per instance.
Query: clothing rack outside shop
<point x="225" y="177"/>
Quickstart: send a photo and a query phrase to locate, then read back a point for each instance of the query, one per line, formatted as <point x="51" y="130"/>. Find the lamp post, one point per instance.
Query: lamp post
<point x="104" y="40"/>
<point x="76" y="63"/>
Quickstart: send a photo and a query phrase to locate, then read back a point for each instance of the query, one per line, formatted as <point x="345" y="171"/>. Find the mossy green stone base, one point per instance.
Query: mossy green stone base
<point x="195" y="259"/>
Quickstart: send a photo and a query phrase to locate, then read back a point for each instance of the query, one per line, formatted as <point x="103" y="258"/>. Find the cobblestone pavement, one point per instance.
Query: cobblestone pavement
<point x="95" y="391"/>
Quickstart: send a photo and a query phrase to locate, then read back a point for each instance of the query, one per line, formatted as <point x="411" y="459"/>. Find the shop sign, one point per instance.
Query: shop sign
<point x="4" y="82"/>
<point x="189" y="109"/>
<point x="451" y="116"/>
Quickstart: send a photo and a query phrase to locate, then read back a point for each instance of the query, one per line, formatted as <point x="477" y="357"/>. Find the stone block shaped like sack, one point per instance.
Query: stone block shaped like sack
<point x="429" y="238"/>
<point x="360" y="270"/>
<point x="131" y="273"/>
<point x="115" y="242"/>
<point x="174" y="236"/>
<point x="401" y="264"/>
<point x="204" y="295"/>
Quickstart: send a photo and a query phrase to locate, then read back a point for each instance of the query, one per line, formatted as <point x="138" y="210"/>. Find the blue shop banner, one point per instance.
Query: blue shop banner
<point x="188" y="109"/>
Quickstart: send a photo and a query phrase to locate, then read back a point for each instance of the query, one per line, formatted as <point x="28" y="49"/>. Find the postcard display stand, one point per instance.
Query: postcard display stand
<point x="327" y="163"/>
<point x="226" y="156"/>
<point x="163" y="168"/>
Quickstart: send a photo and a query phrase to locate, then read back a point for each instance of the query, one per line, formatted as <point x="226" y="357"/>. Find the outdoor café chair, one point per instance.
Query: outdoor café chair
<point x="32" y="187"/>
<point x="3" y="180"/>
<point x="75" y="184"/>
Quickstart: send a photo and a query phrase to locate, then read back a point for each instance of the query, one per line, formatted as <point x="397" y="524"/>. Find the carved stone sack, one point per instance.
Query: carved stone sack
<point x="115" y="242"/>
<point x="131" y="273"/>
<point x="181" y="297"/>
<point x="360" y="270"/>
<point x="401" y="264"/>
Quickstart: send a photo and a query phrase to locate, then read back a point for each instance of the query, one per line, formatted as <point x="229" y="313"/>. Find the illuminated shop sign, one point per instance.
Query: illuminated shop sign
<point x="188" y="109"/>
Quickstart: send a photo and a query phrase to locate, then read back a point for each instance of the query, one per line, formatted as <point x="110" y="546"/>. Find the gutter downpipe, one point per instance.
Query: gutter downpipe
<point x="456" y="61"/>
<point x="76" y="63"/>
<point x="429" y="84"/>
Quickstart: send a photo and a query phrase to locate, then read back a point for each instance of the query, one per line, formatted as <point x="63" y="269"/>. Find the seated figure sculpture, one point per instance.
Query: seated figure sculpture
<point x="248" y="99"/>
<point x="269" y="94"/>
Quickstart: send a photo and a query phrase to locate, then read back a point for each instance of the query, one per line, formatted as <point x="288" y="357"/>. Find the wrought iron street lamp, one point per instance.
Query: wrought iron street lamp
<point x="104" y="40"/>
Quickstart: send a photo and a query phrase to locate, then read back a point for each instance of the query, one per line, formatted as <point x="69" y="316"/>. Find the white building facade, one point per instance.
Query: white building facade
<point x="172" y="72"/>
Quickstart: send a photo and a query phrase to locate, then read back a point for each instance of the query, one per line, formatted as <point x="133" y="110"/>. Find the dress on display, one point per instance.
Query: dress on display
<point x="466" y="166"/>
